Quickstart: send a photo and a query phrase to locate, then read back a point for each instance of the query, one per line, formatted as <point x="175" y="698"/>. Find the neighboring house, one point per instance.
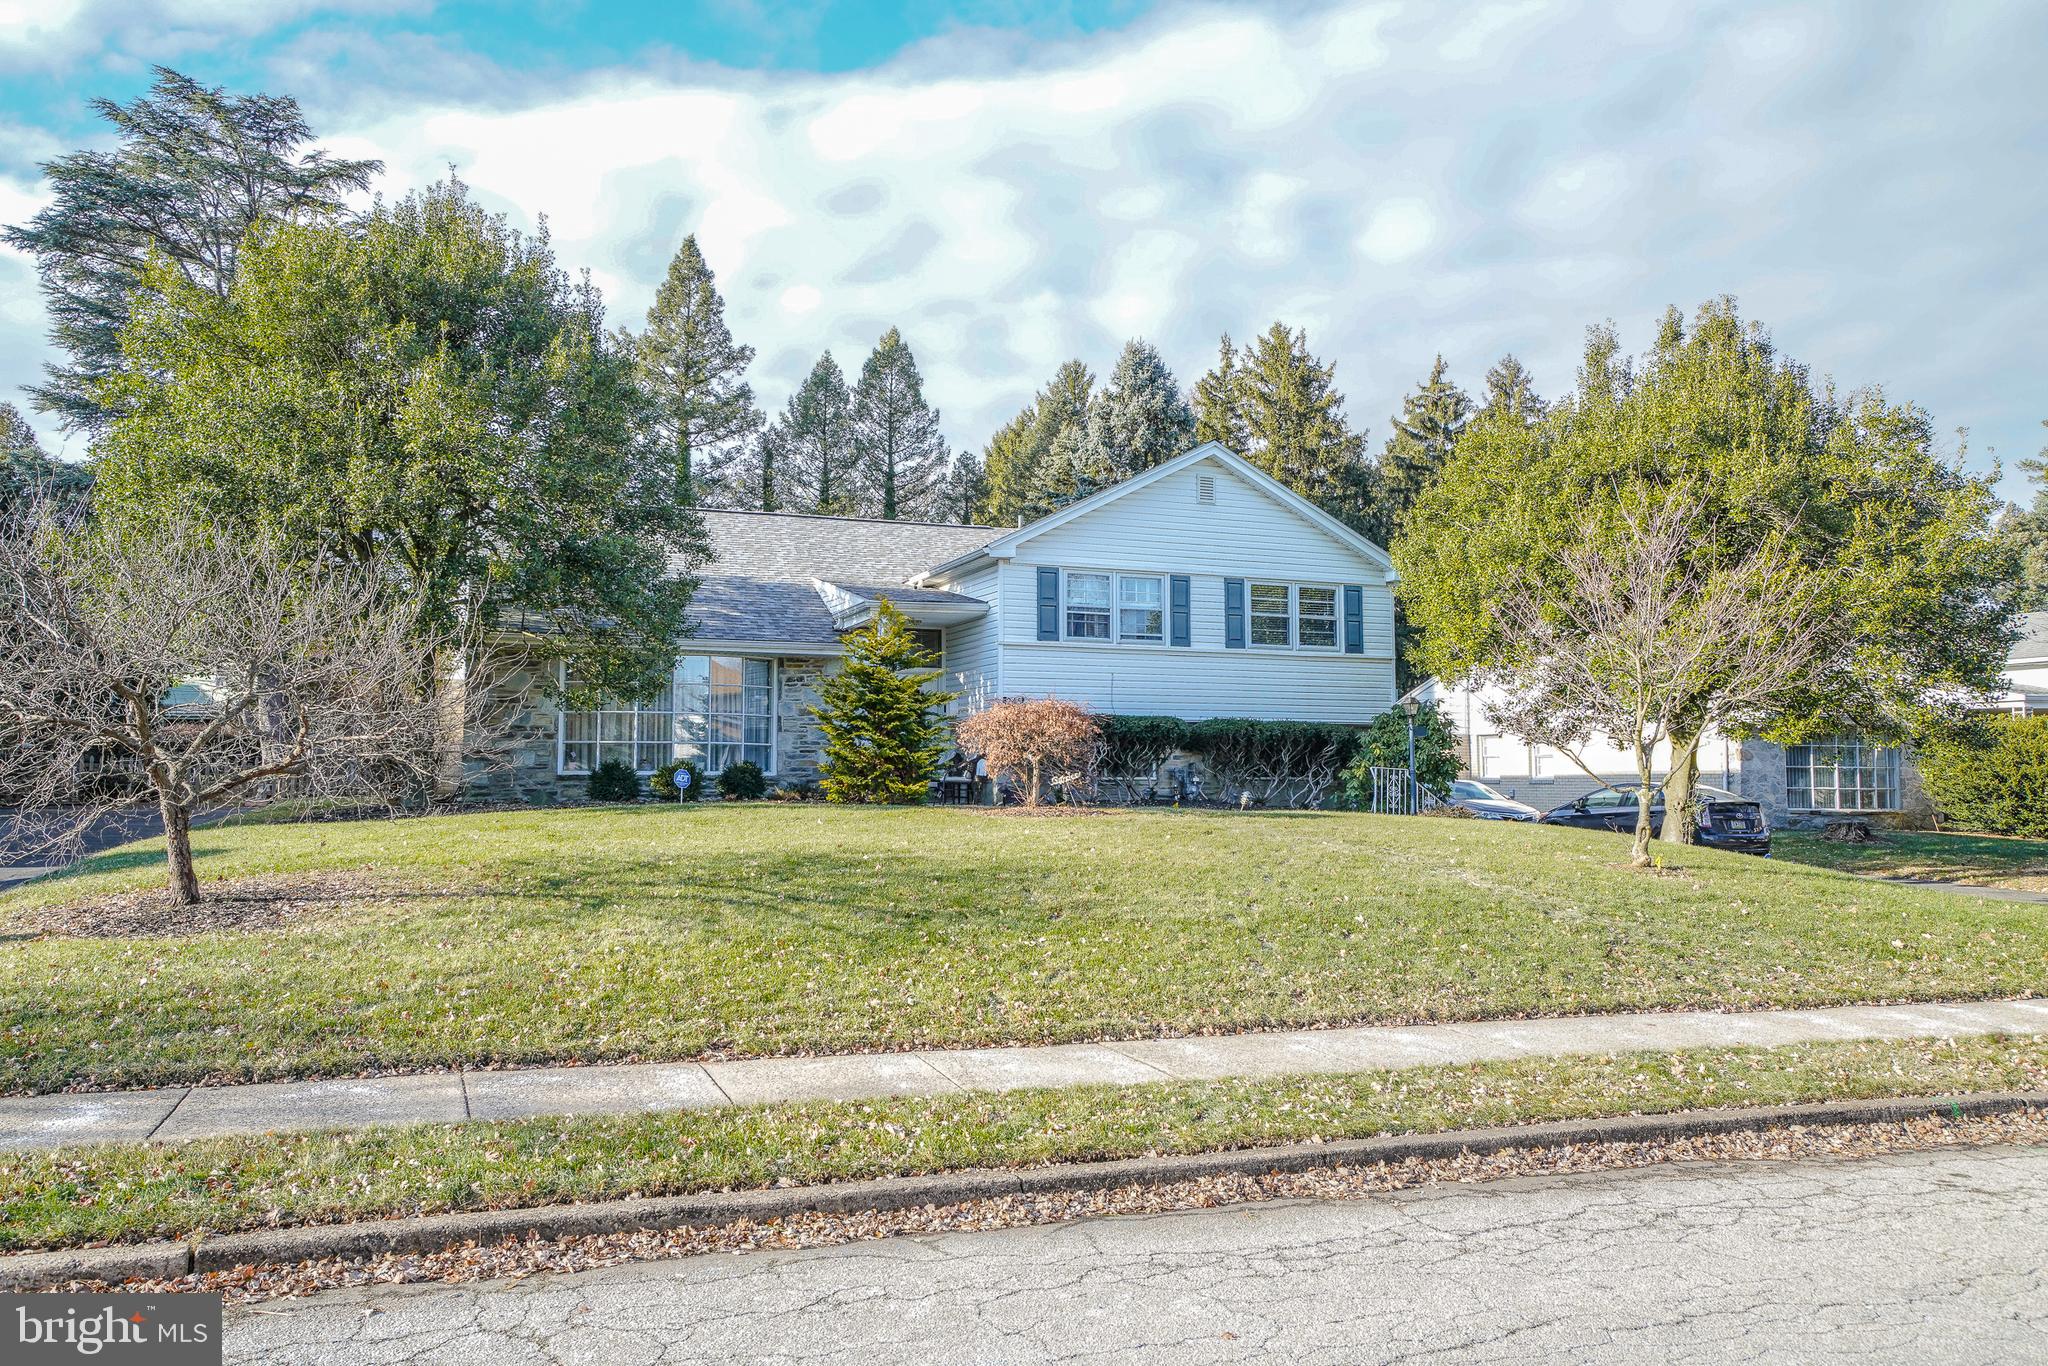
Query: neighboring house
<point x="1797" y="784"/>
<point x="1200" y="588"/>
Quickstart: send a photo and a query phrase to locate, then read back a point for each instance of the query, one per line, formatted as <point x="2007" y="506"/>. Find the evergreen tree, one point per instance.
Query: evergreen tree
<point x="897" y="446"/>
<point x="1295" y="428"/>
<point x="966" y="490"/>
<point x="1138" y="420"/>
<point x="1005" y="472"/>
<point x="2023" y="534"/>
<point x="1511" y="389"/>
<point x="1425" y="433"/>
<point x="1059" y="423"/>
<point x="1067" y="473"/>
<point x="812" y="445"/>
<point x="1219" y="402"/>
<point x="26" y="471"/>
<point x="694" y="376"/>
<point x="884" y="725"/>
<point x="193" y="170"/>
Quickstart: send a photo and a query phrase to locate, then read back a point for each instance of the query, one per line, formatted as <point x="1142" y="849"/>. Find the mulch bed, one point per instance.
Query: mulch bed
<point x="253" y="903"/>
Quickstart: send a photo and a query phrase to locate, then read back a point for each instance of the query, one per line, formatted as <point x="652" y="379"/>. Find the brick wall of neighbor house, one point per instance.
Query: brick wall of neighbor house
<point x="1762" y="778"/>
<point x="524" y="768"/>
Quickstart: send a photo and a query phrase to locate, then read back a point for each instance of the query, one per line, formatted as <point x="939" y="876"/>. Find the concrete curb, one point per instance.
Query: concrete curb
<point x="428" y="1233"/>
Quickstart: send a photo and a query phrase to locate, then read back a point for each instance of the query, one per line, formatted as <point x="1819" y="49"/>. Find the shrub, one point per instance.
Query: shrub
<point x="1274" y="763"/>
<point x="1032" y="740"/>
<point x="1384" y="744"/>
<point x="614" y="781"/>
<point x="884" y="724"/>
<point x="797" y="792"/>
<point x="742" y="782"/>
<point x="678" y="780"/>
<point x="1991" y="776"/>
<point x="1133" y="748"/>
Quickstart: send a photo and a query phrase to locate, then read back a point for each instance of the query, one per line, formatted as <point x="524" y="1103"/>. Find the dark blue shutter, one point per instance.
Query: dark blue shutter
<point x="1048" y="604"/>
<point x="1181" y="613"/>
<point x="1233" y="613"/>
<point x="1354" y="619"/>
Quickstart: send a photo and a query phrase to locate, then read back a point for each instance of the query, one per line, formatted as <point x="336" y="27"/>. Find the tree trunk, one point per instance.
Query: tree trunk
<point x="1639" y="855"/>
<point x="178" y="848"/>
<point x="1680" y="827"/>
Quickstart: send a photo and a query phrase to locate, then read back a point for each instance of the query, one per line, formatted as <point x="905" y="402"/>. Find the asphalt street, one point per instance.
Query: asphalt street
<point x="1921" y="1257"/>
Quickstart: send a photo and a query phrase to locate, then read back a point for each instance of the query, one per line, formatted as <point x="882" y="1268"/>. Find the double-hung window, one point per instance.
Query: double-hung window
<point x="1272" y="614"/>
<point x="1140" y="608"/>
<point x="1287" y="614"/>
<point x="639" y="734"/>
<point x="1315" y="612"/>
<point x="1088" y="606"/>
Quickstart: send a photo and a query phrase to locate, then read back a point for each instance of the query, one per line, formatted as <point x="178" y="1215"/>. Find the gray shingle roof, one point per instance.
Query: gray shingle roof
<point x="2033" y="641"/>
<point x="789" y="546"/>
<point x="758" y="585"/>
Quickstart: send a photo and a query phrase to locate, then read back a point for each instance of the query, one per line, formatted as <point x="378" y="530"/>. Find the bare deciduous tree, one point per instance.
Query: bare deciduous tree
<point x="1654" y="635"/>
<point x="173" y="665"/>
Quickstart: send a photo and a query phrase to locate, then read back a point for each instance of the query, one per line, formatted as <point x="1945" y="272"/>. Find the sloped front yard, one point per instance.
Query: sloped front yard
<point x="665" y="932"/>
<point x="1947" y="856"/>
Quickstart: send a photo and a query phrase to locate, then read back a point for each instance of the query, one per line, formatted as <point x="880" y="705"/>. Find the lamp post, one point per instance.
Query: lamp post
<point x="1411" y="706"/>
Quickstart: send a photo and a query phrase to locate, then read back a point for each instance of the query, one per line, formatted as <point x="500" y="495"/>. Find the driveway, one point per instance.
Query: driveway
<point x="21" y="860"/>
<point x="1914" y="1257"/>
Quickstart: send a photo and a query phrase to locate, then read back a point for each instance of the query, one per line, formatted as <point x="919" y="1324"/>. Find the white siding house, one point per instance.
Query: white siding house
<point x="1199" y="589"/>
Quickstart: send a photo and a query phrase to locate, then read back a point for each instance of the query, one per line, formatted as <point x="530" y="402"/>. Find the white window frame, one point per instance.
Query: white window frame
<point x="1880" y="762"/>
<point x="1252" y="614"/>
<point x="1295" y="644"/>
<point x="1107" y="609"/>
<point x="1116" y="580"/>
<point x="607" y="707"/>
<point x="677" y="740"/>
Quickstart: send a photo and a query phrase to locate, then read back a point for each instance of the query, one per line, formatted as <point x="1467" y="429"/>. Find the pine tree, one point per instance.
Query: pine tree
<point x="194" y="170"/>
<point x="1033" y="482"/>
<point x="966" y="490"/>
<point x="1006" y="472"/>
<point x="27" y="471"/>
<point x="811" y="445"/>
<point x="898" y="447"/>
<point x="884" y="725"/>
<point x="1511" y="389"/>
<point x="1138" y="420"/>
<point x="1067" y="473"/>
<point x="1219" y="402"/>
<point x="693" y="371"/>
<point x="2023" y="533"/>
<point x="1425" y="433"/>
<point x="1295" y="428"/>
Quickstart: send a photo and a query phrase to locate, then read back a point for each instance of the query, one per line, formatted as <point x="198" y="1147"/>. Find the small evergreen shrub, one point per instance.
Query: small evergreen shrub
<point x="679" y="780"/>
<point x="1991" y="776"/>
<point x="883" y="721"/>
<point x="742" y="782"/>
<point x="614" y="781"/>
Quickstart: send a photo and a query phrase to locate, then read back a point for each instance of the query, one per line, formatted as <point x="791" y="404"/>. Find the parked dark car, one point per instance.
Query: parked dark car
<point x="1487" y="803"/>
<point x="1726" y="821"/>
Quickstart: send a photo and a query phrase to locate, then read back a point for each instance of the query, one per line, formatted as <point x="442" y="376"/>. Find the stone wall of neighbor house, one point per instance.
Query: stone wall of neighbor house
<point x="1762" y="778"/>
<point x="522" y="767"/>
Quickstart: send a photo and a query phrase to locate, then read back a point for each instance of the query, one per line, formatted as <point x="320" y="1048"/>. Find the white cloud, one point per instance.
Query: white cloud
<point x="1397" y="230"/>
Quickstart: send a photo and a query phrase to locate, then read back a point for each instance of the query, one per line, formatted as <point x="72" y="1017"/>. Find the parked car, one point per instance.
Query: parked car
<point x="1487" y="803"/>
<point x="1726" y="821"/>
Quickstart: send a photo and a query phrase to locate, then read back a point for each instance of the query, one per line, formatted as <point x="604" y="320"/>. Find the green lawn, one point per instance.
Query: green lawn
<point x="1983" y="860"/>
<point x="131" y="1192"/>
<point x="674" y="932"/>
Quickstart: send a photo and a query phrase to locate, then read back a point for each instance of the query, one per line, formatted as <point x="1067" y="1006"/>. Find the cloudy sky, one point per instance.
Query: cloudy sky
<point x="1014" y="182"/>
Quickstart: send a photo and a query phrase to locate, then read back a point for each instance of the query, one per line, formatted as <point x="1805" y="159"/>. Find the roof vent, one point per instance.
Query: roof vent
<point x="1205" y="489"/>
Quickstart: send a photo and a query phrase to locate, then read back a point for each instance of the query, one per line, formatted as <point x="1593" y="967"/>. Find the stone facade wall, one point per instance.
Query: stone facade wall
<point x="1762" y="779"/>
<point x="522" y="769"/>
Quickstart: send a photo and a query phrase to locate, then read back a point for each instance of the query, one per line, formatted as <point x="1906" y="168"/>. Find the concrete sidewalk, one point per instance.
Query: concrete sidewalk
<point x="176" y="1113"/>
